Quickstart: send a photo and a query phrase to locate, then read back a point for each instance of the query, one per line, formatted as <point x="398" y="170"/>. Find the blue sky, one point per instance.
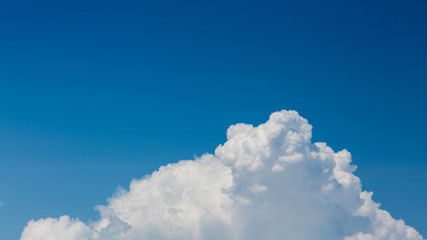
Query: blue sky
<point x="93" y="94"/>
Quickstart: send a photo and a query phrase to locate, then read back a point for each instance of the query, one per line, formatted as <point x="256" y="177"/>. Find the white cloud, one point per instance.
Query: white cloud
<point x="266" y="182"/>
<point x="257" y="188"/>
<point x="63" y="228"/>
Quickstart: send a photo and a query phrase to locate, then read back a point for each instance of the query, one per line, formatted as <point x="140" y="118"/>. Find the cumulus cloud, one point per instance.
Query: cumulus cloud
<point x="266" y="182"/>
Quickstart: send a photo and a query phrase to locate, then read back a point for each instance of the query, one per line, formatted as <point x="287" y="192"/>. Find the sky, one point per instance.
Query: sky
<point x="95" y="94"/>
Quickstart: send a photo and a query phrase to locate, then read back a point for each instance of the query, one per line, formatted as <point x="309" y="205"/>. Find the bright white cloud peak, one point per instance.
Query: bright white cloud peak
<point x="267" y="182"/>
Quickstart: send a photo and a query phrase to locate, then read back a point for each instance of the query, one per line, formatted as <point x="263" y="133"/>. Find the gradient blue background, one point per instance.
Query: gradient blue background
<point x="95" y="93"/>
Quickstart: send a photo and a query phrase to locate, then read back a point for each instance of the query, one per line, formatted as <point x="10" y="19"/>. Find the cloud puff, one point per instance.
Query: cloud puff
<point x="266" y="182"/>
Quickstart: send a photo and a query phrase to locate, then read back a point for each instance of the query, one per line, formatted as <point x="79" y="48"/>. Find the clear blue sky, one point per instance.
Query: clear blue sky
<point x="95" y="93"/>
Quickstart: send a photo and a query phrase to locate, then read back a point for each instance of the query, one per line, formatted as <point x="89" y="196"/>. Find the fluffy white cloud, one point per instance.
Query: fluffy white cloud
<point x="63" y="228"/>
<point x="266" y="182"/>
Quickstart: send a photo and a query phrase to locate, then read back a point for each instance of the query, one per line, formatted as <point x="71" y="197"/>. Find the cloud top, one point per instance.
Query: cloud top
<point x="265" y="182"/>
